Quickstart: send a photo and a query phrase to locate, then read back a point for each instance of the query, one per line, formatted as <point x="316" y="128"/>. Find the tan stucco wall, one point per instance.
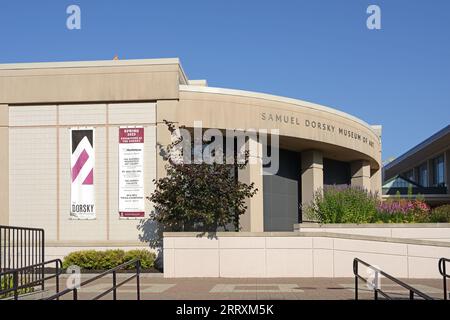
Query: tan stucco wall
<point x="297" y="254"/>
<point x="39" y="170"/>
<point x="360" y="172"/>
<point x="231" y="109"/>
<point x="131" y="80"/>
<point x="417" y="231"/>
<point x="253" y="219"/>
<point x="312" y="177"/>
<point x="4" y="165"/>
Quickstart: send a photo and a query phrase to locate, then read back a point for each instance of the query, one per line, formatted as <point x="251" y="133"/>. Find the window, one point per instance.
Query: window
<point x="409" y="175"/>
<point x="438" y="172"/>
<point x="423" y="175"/>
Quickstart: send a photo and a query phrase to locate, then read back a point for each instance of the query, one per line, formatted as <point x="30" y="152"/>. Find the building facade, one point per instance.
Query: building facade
<point x="424" y="170"/>
<point x="42" y="104"/>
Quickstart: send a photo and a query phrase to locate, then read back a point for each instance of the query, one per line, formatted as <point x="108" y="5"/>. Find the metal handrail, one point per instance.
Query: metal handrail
<point x="20" y="271"/>
<point x="21" y="247"/>
<point x="412" y="291"/>
<point x="444" y="274"/>
<point x="114" y="287"/>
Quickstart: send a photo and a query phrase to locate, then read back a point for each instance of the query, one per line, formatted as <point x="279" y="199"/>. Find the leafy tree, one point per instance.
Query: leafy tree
<point x="199" y="197"/>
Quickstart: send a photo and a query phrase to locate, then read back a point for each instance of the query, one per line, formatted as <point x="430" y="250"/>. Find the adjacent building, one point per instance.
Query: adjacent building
<point x="424" y="170"/>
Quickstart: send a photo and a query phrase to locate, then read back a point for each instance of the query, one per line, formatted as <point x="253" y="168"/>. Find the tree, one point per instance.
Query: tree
<point x="199" y="197"/>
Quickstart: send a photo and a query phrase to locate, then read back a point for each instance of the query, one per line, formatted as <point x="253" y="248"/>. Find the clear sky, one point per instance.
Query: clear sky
<point x="316" y="50"/>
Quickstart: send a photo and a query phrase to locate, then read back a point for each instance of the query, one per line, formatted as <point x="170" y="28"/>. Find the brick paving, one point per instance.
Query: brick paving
<point x="155" y="287"/>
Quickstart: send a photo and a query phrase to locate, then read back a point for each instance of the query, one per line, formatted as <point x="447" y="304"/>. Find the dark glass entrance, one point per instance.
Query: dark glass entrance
<point x="282" y="194"/>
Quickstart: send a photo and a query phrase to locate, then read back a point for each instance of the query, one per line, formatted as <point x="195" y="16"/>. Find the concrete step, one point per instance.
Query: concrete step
<point x="37" y="294"/>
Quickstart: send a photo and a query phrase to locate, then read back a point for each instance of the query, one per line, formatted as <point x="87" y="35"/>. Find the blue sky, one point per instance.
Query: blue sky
<point x="319" y="51"/>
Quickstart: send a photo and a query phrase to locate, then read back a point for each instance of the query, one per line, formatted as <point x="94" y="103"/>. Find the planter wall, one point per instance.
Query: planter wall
<point x="418" y="231"/>
<point x="295" y="254"/>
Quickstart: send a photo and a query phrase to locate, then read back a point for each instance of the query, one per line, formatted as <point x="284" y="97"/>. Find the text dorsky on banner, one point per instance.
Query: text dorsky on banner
<point x="82" y="163"/>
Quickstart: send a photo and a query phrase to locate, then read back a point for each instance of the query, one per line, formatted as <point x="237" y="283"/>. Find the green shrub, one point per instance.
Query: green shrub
<point x="147" y="258"/>
<point x="342" y="204"/>
<point x="111" y="258"/>
<point x="103" y="260"/>
<point x="440" y="214"/>
<point x="7" y="282"/>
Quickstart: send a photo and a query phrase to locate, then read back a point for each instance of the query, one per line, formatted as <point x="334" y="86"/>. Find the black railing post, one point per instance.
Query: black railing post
<point x="112" y="289"/>
<point x="355" y="272"/>
<point x="16" y="284"/>
<point x="42" y="240"/>
<point x="443" y="271"/>
<point x="375" y="285"/>
<point x="114" y="286"/>
<point x="138" y="284"/>
<point x="57" y="277"/>
<point x="411" y="295"/>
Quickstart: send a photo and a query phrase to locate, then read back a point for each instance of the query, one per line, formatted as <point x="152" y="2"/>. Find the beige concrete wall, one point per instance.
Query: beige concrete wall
<point x="360" y="172"/>
<point x="312" y="176"/>
<point x="253" y="219"/>
<point x="90" y="81"/>
<point x="302" y="127"/>
<point x="376" y="183"/>
<point x="82" y="114"/>
<point x="39" y="173"/>
<point x="432" y="232"/>
<point x="165" y="110"/>
<point x="232" y="109"/>
<point x="22" y="116"/>
<point x="4" y="165"/>
<point x="126" y="113"/>
<point x="33" y="178"/>
<point x="277" y="255"/>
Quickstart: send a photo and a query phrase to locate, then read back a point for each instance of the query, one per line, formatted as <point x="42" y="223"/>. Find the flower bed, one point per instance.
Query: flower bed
<point x="342" y="204"/>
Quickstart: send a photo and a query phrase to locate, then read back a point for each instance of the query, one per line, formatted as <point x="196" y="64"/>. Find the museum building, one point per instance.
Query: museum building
<point x="80" y="147"/>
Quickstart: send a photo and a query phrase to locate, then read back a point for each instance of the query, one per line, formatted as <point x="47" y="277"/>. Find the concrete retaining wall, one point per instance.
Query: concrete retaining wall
<point x="418" y="231"/>
<point x="295" y="254"/>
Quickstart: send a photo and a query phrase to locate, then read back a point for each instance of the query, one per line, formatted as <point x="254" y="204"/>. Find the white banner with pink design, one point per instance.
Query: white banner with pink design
<point x="82" y="163"/>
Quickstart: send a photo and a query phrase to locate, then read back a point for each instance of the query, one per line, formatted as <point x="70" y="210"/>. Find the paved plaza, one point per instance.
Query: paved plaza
<point x="155" y="287"/>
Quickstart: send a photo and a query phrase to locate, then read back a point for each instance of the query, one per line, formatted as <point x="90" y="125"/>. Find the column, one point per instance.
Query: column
<point x="4" y="165"/>
<point x="376" y="183"/>
<point x="253" y="219"/>
<point x="312" y="176"/>
<point x="360" y="172"/>
<point x="447" y="170"/>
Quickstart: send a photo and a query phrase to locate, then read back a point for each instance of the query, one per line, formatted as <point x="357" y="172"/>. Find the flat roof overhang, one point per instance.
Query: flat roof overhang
<point x="91" y="81"/>
<point x="417" y="155"/>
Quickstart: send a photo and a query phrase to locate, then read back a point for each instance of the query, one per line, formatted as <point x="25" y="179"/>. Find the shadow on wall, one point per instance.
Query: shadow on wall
<point x="151" y="232"/>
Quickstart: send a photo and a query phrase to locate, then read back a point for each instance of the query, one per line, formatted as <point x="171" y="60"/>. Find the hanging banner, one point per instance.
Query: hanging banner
<point x="131" y="172"/>
<point x="82" y="163"/>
